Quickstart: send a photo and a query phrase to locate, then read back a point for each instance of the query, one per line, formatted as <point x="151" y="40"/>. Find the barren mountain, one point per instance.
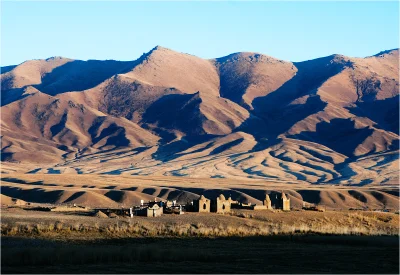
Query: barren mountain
<point x="332" y="120"/>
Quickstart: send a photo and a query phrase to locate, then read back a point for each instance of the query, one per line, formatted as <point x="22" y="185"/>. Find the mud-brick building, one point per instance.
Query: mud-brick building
<point x="152" y="211"/>
<point x="267" y="205"/>
<point x="201" y="205"/>
<point x="283" y="202"/>
<point x="221" y="204"/>
<point x="267" y="202"/>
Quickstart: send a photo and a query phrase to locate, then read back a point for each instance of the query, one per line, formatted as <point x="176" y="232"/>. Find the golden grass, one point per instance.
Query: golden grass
<point x="355" y="225"/>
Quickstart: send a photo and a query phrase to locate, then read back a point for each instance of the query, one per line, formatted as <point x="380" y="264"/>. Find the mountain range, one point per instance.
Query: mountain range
<point x="330" y="120"/>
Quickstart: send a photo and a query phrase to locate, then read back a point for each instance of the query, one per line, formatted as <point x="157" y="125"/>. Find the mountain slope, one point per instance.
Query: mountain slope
<point x="57" y="128"/>
<point x="246" y="115"/>
<point x="246" y="76"/>
<point x="165" y="68"/>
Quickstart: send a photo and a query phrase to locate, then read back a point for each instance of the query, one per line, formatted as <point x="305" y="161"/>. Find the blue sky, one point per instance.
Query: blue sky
<point x="293" y="31"/>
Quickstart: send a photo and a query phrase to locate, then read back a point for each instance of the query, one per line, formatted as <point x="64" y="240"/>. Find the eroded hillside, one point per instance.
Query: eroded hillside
<point x="247" y="115"/>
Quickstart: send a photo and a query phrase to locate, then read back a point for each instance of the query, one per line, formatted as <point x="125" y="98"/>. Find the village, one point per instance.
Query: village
<point x="220" y="205"/>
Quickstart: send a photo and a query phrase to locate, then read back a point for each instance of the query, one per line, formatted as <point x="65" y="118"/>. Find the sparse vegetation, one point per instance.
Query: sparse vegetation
<point x="261" y="223"/>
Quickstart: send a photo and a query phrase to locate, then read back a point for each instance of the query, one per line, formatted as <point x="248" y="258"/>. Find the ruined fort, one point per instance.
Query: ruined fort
<point x="220" y="205"/>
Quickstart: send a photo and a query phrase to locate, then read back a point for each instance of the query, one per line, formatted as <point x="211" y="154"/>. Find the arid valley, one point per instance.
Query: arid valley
<point x="173" y="163"/>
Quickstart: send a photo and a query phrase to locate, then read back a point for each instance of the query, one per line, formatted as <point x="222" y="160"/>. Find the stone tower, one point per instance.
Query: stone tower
<point x="285" y="202"/>
<point x="267" y="202"/>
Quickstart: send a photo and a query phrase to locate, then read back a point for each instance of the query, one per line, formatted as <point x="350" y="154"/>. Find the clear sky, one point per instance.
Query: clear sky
<point x="293" y="31"/>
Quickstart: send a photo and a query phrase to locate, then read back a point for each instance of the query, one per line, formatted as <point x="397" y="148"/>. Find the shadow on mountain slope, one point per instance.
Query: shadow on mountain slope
<point x="6" y="69"/>
<point x="385" y="112"/>
<point x="9" y="96"/>
<point x="177" y="111"/>
<point x="172" y="150"/>
<point x="277" y="123"/>
<point x="310" y="76"/>
<point x="278" y="109"/>
<point x="81" y="75"/>
<point x="341" y="135"/>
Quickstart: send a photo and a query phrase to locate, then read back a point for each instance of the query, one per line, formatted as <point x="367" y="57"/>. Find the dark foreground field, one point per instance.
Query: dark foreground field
<point x="272" y="254"/>
<point x="238" y="242"/>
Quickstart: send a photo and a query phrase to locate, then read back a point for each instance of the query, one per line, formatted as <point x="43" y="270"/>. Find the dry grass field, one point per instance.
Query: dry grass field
<point x="239" y="242"/>
<point x="239" y="223"/>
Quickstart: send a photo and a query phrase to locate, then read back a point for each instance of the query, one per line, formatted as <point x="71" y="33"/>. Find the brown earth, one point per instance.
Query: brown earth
<point x="5" y="200"/>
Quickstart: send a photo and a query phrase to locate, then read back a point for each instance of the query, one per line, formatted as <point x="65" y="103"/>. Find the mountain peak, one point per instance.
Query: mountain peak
<point x="250" y="57"/>
<point x="387" y="52"/>
<point x="156" y="50"/>
<point x="160" y="48"/>
<point x="52" y="58"/>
